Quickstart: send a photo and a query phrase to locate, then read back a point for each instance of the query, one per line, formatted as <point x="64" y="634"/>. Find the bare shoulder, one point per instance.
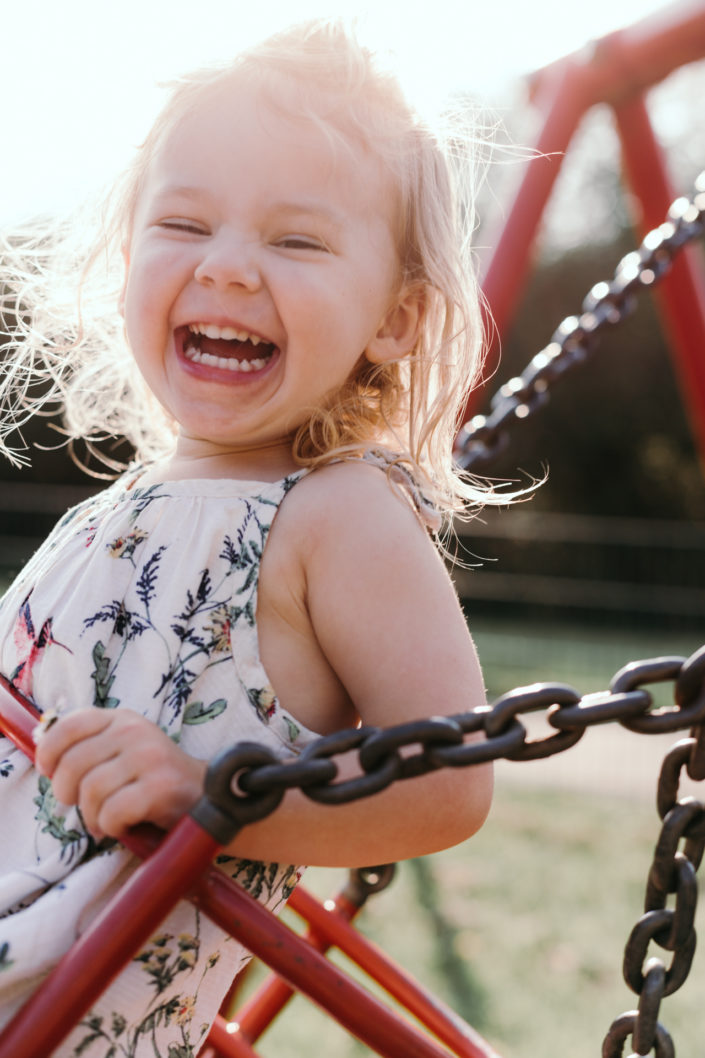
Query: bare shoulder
<point x="352" y="505"/>
<point x="377" y="594"/>
<point x="345" y="555"/>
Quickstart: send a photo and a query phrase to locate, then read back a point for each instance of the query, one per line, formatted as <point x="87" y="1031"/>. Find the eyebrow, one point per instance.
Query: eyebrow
<point x="309" y="208"/>
<point x="301" y="207"/>
<point x="182" y="190"/>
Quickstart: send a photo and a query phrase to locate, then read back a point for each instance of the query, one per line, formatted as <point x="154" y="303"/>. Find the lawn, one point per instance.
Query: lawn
<point x="522" y="929"/>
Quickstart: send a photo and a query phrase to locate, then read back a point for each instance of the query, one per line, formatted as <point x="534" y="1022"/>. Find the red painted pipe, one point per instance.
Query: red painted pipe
<point x="613" y="69"/>
<point x="258" y="1013"/>
<point x="562" y="101"/>
<point x="627" y="61"/>
<point x="112" y="939"/>
<point x="310" y="973"/>
<point x="680" y="296"/>
<point x="430" y="1011"/>
<point x="173" y="870"/>
<point x="329" y="927"/>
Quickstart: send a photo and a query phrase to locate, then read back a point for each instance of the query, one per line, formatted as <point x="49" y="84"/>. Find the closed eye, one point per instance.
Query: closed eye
<point x="181" y="224"/>
<point x="302" y="242"/>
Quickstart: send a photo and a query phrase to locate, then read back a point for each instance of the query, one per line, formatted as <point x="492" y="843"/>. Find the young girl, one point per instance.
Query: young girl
<point x="298" y="302"/>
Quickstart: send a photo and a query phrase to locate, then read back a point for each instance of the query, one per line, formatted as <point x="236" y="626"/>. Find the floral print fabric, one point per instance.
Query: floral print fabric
<point x="142" y="598"/>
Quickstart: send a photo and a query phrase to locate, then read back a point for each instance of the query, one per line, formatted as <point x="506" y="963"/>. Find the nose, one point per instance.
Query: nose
<point x="228" y="261"/>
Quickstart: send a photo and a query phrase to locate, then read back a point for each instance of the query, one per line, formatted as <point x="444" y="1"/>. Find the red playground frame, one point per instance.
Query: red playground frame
<point x="618" y="70"/>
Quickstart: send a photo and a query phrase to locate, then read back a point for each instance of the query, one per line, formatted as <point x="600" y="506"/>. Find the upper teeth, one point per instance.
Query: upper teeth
<point x="230" y="334"/>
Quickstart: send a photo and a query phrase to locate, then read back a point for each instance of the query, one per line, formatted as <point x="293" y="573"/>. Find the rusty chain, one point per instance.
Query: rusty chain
<point x="673" y="871"/>
<point x="484" y="438"/>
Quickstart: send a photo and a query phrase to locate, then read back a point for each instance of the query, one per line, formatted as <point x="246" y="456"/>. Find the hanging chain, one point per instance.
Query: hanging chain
<point x="607" y="304"/>
<point x="439" y="742"/>
<point x="673" y="871"/>
<point x="248" y="782"/>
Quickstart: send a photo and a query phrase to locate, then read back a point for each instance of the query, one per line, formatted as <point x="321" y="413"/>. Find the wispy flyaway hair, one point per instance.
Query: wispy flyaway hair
<point x="68" y="350"/>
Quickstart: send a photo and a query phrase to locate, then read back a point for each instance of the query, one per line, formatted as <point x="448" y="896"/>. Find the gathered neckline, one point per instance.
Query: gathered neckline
<point x="129" y="484"/>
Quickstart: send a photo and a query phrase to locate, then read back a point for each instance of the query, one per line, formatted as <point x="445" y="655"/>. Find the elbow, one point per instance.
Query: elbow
<point x="473" y="799"/>
<point x="484" y="784"/>
<point x="462" y="803"/>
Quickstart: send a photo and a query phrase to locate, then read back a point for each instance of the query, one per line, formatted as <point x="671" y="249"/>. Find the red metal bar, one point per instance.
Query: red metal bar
<point x="310" y="973"/>
<point x="430" y="1011"/>
<point x="680" y="296"/>
<point x="257" y="1014"/>
<point x="18" y="717"/>
<point x="175" y="869"/>
<point x="614" y="69"/>
<point x="630" y="60"/>
<point x="637" y="57"/>
<point x="330" y="927"/>
<point x="562" y="101"/>
<point x="223" y="1041"/>
<point x="114" y="937"/>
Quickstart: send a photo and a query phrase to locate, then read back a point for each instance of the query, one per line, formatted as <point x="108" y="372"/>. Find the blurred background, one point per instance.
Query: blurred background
<point x="522" y="930"/>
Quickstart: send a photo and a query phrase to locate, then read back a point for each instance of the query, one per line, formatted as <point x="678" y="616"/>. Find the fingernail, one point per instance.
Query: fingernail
<point x="48" y="720"/>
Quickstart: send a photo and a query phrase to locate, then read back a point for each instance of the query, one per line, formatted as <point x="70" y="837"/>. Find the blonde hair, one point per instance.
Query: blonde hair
<point x="74" y="356"/>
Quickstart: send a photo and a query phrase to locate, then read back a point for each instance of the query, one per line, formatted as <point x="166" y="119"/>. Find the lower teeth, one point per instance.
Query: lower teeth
<point x="228" y="363"/>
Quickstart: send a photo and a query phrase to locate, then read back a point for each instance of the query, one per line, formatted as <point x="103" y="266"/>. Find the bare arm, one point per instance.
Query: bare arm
<point x="386" y="617"/>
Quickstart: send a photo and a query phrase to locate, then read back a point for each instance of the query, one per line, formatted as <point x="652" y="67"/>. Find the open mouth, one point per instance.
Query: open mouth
<point x="225" y="347"/>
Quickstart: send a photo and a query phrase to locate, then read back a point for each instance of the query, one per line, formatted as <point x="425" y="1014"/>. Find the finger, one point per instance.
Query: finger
<point x="161" y="796"/>
<point x="123" y="808"/>
<point x="97" y="787"/>
<point x="66" y="732"/>
<point x="77" y="762"/>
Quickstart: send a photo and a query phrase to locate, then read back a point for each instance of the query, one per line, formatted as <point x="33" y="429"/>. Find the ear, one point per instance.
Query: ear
<point x="399" y="330"/>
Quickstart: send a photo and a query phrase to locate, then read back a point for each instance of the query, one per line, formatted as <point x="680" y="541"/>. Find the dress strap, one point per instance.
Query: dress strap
<point x="400" y="474"/>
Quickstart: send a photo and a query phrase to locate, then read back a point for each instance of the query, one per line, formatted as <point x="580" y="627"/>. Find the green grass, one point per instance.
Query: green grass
<point x="521" y="930"/>
<point x="514" y="655"/>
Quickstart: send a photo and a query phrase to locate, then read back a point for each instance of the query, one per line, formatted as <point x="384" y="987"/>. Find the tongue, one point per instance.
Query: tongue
<point x="234" y="349"/>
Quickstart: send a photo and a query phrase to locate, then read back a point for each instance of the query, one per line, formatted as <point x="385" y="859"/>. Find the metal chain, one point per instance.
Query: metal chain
<point x="439" y="742"/>
<point x="673" y="871"/>
<point x="608" y="303"/>
<point x="247" y="782"/>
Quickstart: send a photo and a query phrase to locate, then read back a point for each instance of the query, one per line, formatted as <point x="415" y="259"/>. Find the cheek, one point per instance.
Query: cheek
<point x="146" y="301"/>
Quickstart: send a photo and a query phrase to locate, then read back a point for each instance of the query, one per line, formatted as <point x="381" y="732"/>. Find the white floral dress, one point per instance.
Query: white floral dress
<point x="141" y="597"/>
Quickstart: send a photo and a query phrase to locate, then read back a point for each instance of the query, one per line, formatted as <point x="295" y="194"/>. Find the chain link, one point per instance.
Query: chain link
<point x="673" y="871"/>
<point x="440" y="741"/>
<point x="484" y="438"/>
<point x="247" y="782"/>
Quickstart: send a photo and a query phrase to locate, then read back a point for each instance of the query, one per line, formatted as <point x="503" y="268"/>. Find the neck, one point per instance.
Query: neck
<point x="193" y="458"/>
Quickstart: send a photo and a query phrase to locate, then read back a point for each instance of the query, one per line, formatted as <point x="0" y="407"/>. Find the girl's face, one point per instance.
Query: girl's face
<point x="261" y="268"/>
